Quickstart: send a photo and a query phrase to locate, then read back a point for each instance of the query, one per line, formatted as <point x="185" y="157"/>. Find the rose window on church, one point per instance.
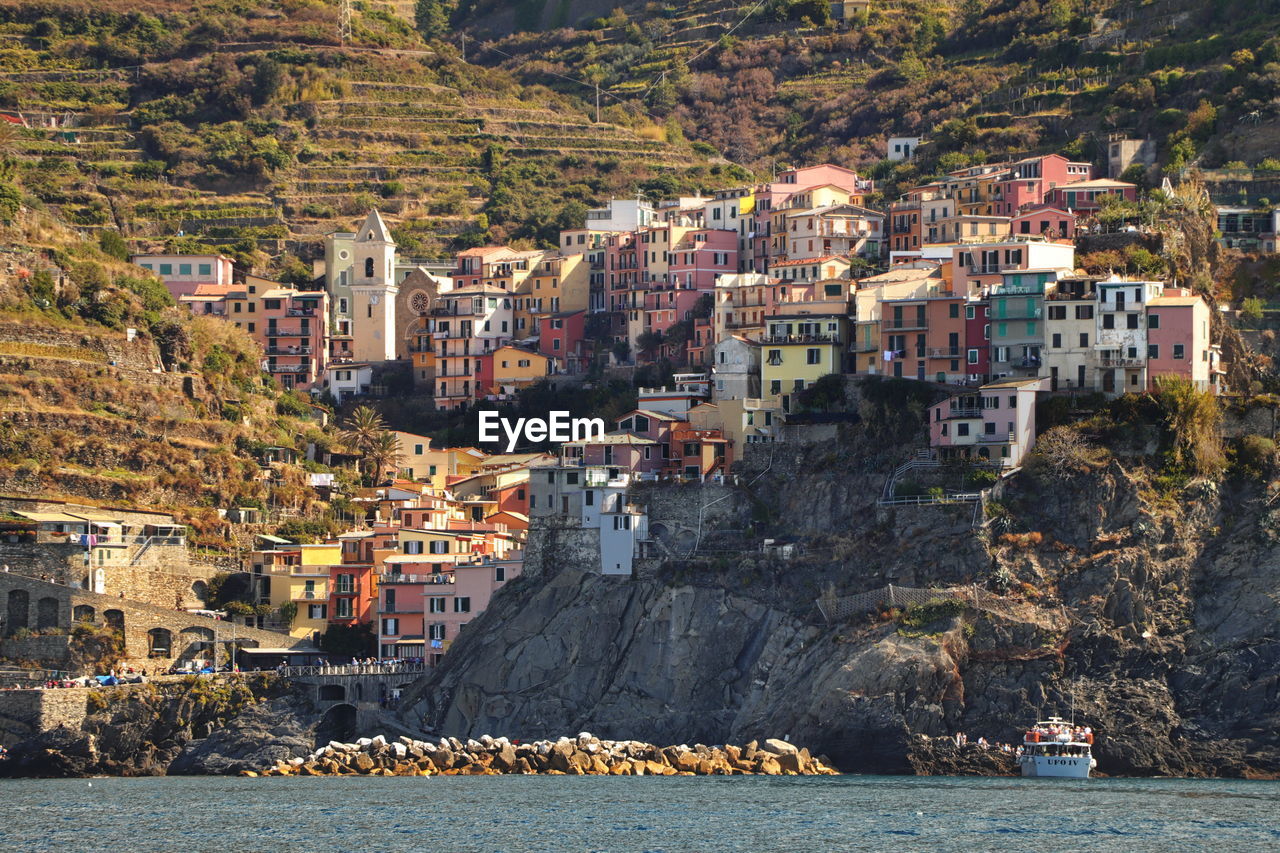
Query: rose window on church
<point x="419" y="302"/>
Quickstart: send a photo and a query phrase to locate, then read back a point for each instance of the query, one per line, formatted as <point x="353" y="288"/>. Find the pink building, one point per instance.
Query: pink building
<point x="562" y="336"/>
<point x="1044" y="220"/>
<point x="1178" y="340"/>
<point x="1031" y="179"/>
<point x="773" y="196"/>
<point x="182" y="274"/>
<point x="701" y="255"/>
<point x="997" y="423"/>
<point x="624" y="451"/>
<point x="1088" y="195"/>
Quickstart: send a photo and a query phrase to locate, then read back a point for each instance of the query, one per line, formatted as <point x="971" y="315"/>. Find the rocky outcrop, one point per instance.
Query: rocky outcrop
<point x="942" y="757"/>
<point x="1153" y="612"/>
<point x="139" y="730"/>
<point x="275" y="730"/>
<point x="584" y="755"/>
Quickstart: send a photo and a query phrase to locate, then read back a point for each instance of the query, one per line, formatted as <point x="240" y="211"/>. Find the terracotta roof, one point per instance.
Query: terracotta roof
<point x="803" y="261"/>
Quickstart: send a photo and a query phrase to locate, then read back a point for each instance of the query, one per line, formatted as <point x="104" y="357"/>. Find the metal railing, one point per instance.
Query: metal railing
<point x="352" y="669"/>
<point x="835" y="609"/>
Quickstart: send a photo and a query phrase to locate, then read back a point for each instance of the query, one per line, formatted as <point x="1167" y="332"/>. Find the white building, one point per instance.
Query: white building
<point x="596" y="498"/>
<point x="903" y="147"/>
<point x="348" y="380"/>
<point x="736" y="369"/>
<point x="1122" y="334"/>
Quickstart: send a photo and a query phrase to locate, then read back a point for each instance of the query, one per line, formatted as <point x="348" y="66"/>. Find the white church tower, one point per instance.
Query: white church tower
<point x="373" y="292"/>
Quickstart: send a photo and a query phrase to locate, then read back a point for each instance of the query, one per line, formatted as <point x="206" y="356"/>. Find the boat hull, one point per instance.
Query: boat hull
<point x="1066" y="766"/>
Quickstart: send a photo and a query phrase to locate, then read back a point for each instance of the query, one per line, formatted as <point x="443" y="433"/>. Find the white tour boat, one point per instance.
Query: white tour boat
<point x="1055" y="747"/>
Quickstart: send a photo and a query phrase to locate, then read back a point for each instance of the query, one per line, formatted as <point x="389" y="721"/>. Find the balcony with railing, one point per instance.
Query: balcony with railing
<point x="309" y="595"/>
<point x="1107" y="361"/>
<point x="904" y="325"/>
<point x="992" y="269"/>
<point x="300" y="312"/>
<point x="273" y="332"/>
<point x="304" y="350"/>
<point x="821" y="338"/>
<point x="964" y="413"/>
<point x="287" y="368"/>
<point x="943" y="352"/>
<point x="998" y="438"/>
<point x="1020" y="312"/>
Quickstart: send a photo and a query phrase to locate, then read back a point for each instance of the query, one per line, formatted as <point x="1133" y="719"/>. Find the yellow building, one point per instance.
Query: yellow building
<point x="420" y="461"/>
<point x="558" y="284"/>
<point x="304" y="581"/>
<point x="798" y="350"/>
<point x="515" y="368"/>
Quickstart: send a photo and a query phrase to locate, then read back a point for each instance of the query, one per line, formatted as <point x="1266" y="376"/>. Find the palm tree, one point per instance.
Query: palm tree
<point x="363" y="428"/>
<point x="383" y="455"/>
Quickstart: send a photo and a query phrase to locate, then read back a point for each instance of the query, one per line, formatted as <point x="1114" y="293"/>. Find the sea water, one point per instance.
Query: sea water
<point x="593" y="813"/>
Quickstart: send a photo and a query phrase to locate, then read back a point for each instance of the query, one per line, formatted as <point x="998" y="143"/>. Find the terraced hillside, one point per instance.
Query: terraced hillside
<point x="780" y="80"/>
<point x="256" y="120"/>
<point x="110" y="393"/>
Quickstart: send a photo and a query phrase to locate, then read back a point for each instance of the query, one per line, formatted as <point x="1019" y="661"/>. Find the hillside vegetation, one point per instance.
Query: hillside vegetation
<point x="234" y="120"/>
<point x="779" y="81"/>
<point x="109" y="393"/>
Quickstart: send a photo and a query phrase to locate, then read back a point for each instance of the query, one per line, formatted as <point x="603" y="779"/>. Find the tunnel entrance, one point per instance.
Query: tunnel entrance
<point x="338" y="723"/>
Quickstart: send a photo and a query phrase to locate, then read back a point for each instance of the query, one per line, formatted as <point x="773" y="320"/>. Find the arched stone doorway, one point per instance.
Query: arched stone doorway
<point x="82" y="613"/>
<point x="338" y="723"/>
<point x="332" y="693"/>
<point x="200" y="590"/>
<point x="114" y="619"/>
<point x="47" y="613"/>
<point x="159" y="642"/>
<point x="19" y="612"/>
<point x="195" y="643"/>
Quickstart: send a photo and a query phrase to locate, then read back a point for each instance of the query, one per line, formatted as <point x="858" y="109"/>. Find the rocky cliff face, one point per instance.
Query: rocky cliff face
<point x="1155" y="613"/>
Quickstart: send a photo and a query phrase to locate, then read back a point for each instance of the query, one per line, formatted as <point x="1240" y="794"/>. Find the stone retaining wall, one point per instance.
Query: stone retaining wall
<point x="181" y="635"/>
<point x="24" y="713"/>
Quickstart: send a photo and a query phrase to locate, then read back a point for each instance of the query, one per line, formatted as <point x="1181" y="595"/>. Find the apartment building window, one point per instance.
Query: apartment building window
<point x="1002" y="354"/>
<point x="1057" y="312"/>
<point x="1153" y="350"/>
<point x="1108" y="321"/>
<point x="390" y="627"/>
<point x="499" y="574"/>
<point x="317" y="611"/>
<point x="252" y="326"/>
<point x="1002" y="330"/>
<point x="962" y="429"/>
<point x="205" y="269"/>
<point x="439" y="546"/>
<point x="775" y="386"/>
<point x="462" y="604"/>
<point x="1084" y="312"/>
<point x="436" y="630"/>
<point x="344" y="608"/>
<point x="413" y="546"/>
<point x="166" y="269"/>
<point x="813" y="356"/>
<point x="775" y="357"/>
<point x="986" y="331"/>
<point x="1057" y="340"/>
<point x="953" y="310"/>
<point x="1153" y="321"/>
<point x="435" y="604"/>
<point x="1131" y="320"/>
<point x="973" y="356"/>
<point x="1179" y="351"/>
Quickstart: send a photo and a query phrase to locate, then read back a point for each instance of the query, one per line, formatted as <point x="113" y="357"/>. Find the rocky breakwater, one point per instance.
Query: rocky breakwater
<point x="584" y="755"/>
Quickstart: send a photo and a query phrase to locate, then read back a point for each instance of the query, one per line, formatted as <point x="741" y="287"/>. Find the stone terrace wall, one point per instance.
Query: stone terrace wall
<point x="27" y="712"/>
<point x="20" y="339"/>
<point x="187" y="632"/>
